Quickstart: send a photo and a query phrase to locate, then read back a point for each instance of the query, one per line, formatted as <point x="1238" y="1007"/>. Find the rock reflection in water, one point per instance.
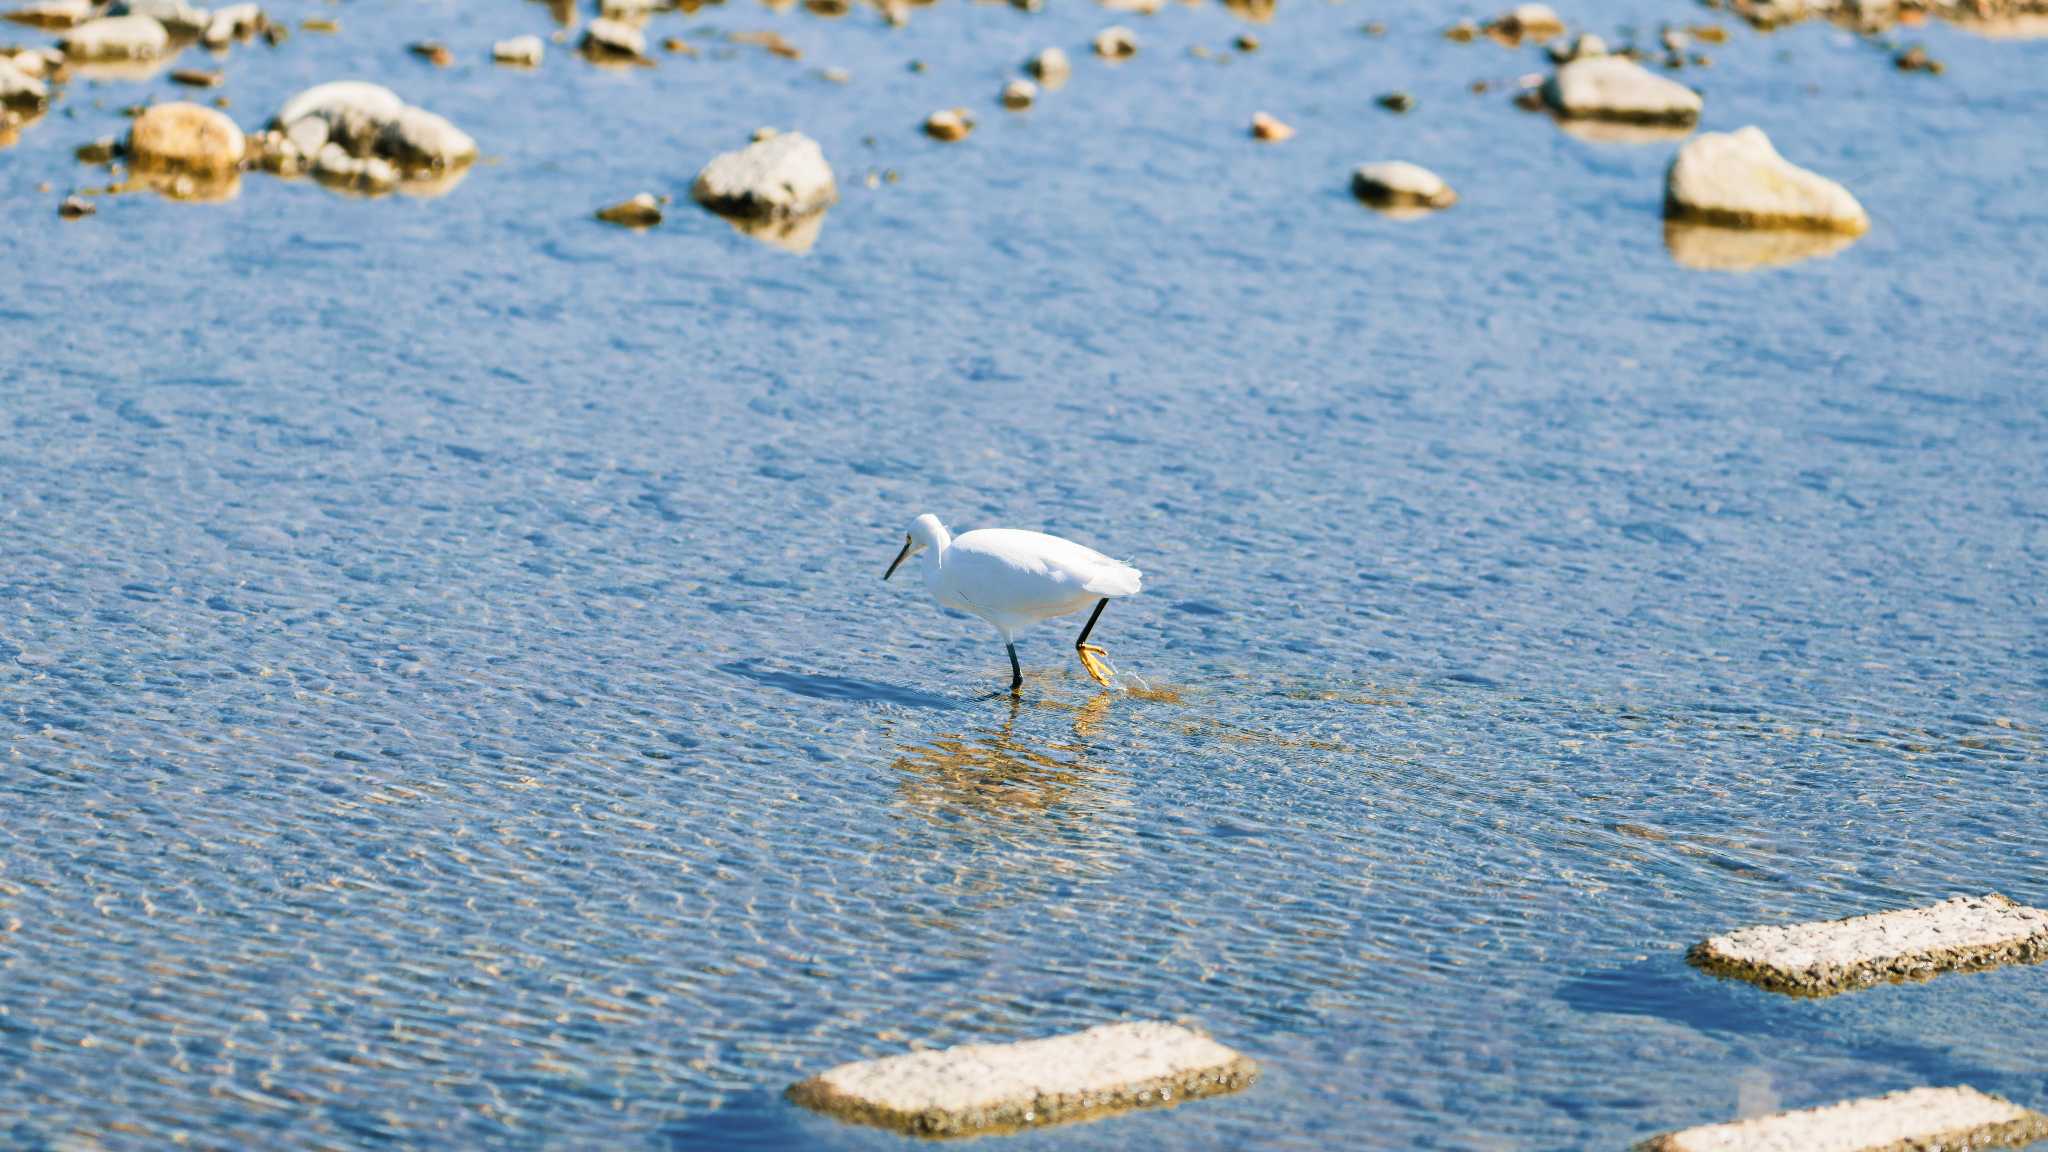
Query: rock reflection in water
<point x="1739" y="249"/>
<point x="791" y="234"/>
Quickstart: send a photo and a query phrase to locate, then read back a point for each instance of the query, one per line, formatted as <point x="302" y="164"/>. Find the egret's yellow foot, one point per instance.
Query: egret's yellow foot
<point x="1094" y="659"/>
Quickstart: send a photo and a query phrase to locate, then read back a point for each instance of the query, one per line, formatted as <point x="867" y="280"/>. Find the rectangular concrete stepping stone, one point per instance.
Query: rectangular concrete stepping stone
<point x="1820" y="959"/>
<point x="976" y="1088"/>
<point x="1923" y="1118"/>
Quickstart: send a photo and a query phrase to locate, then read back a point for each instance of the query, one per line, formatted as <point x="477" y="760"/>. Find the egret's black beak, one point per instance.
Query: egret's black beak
<point x="898" y="561"/>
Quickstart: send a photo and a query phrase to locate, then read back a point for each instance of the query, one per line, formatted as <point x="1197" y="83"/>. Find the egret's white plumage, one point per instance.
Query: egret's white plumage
<point x="1014" y="579"/>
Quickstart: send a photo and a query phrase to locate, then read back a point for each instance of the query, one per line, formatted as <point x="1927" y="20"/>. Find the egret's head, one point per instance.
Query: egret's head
<point x="925" y="531"/>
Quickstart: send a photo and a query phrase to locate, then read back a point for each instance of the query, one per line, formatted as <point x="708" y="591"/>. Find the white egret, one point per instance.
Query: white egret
<point x="1014" y="579"/>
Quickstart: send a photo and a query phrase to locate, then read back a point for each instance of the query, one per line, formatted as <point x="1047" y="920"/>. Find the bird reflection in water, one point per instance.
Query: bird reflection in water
<point x="995" y="774"/>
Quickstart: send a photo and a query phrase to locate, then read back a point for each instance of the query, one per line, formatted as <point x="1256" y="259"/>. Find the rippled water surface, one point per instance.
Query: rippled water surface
<point x="449" y="700"/>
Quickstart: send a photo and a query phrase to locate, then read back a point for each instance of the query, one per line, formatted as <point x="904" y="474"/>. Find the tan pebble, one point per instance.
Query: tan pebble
<point x="642" y="211"/>
<point x="677" y="46"/>
<point x="949" y="125"/>
<point x="433" y="52"/>
<point x="1019" y="94"/>
<point x="1266" y="127"/>
<point x="196" y="78"/>
<point x="318" y="25"/>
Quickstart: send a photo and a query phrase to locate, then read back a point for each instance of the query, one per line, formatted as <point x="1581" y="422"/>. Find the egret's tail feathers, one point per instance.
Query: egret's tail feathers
<point x="1117" y="580"/>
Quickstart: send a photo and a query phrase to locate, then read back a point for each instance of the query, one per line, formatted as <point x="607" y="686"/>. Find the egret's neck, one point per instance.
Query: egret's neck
<point x="935" y="556"/>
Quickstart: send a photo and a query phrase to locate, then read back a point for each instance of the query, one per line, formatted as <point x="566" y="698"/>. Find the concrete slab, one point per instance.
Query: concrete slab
<point x="978" y="1088"/>
<point x="1919" y="1120"/>
<point x="1819" y="959"/>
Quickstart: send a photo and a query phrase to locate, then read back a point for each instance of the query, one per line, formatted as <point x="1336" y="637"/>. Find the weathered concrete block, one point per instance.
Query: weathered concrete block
<point x="1819" y="959"/>
<point x="975" y="1088"/>
<point x="1923" y="1118"/>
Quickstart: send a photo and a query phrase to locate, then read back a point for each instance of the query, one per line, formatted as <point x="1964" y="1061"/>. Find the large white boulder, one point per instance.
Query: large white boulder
<point x="116" y="38"/>
<point x="783" y="175"/>
<point x="1737" y="180"/>
<point x="1617" y="88"/>
<point x="1399" y="184"/>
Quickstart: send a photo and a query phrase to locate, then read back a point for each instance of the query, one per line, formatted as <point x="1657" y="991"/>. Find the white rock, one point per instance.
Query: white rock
<point x="116" y="38"/>
<point x="1019" y="94"/>
<point x="1534" y="20"/>
<point x="234" y="22"/>
<point x="18" y="89"/>
<point x="1616" y="88"/>
<point x="978" y="1087"/>
<point x="1116" y="42"/>
<point x="52" y="13"/>
<point x="174" y="15"/>
<point x="335" y="166"/>
<point x="522" y="50"/>
<point x="416" y="139"/>
<point x="1958" y="1117"/>
<point x="1399" y="184"/>
<point x="1585" y="47"/>
<point x="784" y="175"/>
<point x="611" y="37"/>
<point x="628" y="9"/>
<point x="368" y="120"/>
<point x="1051" y="67"/>
<point x="1836" y="955"/>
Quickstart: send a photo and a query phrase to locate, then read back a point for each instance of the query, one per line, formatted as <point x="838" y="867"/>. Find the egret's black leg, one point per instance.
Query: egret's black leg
<point x="1016" y="670"/>
<point x="1092" y="656"/>
<point x="1092" y="618"/>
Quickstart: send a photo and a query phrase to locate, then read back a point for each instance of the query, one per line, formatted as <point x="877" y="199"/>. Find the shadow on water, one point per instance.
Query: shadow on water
<point x="821" y="687"/>
<point x="1669" y="989"/>
<point x="752" y="1121"/>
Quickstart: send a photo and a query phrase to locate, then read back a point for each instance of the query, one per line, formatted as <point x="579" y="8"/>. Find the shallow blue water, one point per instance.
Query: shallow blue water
<point x="450" y="702"/>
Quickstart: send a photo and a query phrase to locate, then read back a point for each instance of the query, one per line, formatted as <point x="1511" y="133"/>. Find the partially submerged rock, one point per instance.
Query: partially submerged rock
<point x="1051" y="67"/>
<point x="21" y="91"/>
<point x="614" y="39"/>
<point x="642" y="211"/>
<point x="76" y="208"/>
<point x="1116" y="43"/>
<point x="362" y="137"/>
<point x="236" y="22"/>
<point x="1963" y="933"/>
<point x="977" y="1088"/>
<point x="782" y="176"/>
<point x="1585" y="47"/>
<point x="185" y="137"/>
<point x="52" y="13"/>
<point x="116" y="38"/>
<point x="520" y="51"/>
<point x="1737" y="180"/>
<point x="1270" y="128"/>
<point x="1399" y="184"/>
<point x="1018" y="94"/>
<point x="1527" y="22"/>
<point x="1923" y="1118"/>
<point x="949" y="125"/>
<point x="1616" y="88"/>
<point x="177" y="17"/>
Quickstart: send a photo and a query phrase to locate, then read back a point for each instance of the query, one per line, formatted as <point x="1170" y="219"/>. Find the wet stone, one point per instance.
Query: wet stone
<point x="1738" y="180"/>
<point x="784" y="175"/>
<point x="977" y="1088"/>
<point x="951" y="124"/>
<point x="433" y="52"/>
<point x="612" y="38"/>
<point x="1399" y="184"/>
<point x="1019" y="94"/>
<point x="197" y="78"/>
<point x="52" y="13"/>
<point x="1396" y="101"/>
<point x="1922" y="1118"/>
<point x="520" y="51"/>
<point x="116" y="38"/>
<point x="1963" y="933"/>
<point x="1270" y="128"/>
<point x="176" y="16"/>
<point x="1116" y="43"/>
<point x="187" y="138"/>
<point x="20" y="91"/>
<point x="642" y="211"/>
<point x="1616" y="88"/>
<point x="1050" y="67"/>
<point x="237" y="22"/>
